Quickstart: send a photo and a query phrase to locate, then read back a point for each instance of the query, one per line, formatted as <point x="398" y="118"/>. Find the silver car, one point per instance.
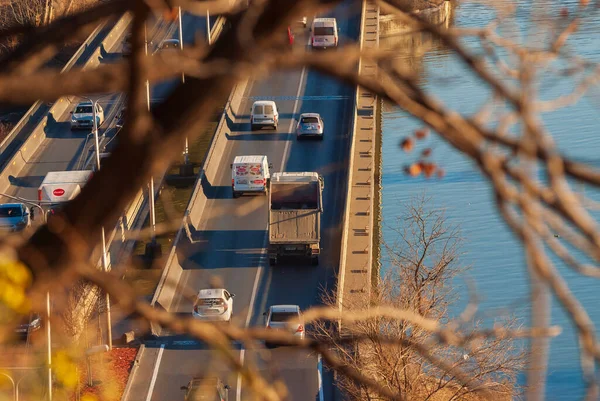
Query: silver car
<point x="309" y="125"/>
<point x="280" y="317"/>
<point x="14" y="217"/>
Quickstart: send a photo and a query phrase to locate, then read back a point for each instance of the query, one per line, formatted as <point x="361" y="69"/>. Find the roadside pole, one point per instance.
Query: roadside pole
<point x="104" y="258"/>
<point x="153" y="249"/>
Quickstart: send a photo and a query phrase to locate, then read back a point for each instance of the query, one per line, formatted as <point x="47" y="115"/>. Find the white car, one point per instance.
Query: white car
<point x="83" y="116"/>
<point x="214" y="305"/>
<point x="264" y="114"/>
<point x="279" y="317"/>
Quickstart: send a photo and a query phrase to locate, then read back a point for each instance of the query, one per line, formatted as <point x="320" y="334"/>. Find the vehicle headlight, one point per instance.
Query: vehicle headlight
<point x="73" y="120"/>
<point x="35" y="322"/>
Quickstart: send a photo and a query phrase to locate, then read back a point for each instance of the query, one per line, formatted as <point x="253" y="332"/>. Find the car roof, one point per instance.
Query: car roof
<point x="249" y="159"/>
<point x="263" y="102"/>
<point x="285" y="308"/>
<point x="310" y="115"/>
<point x="205" y="381"/>
<point x="211" y="293"/>
<point x="7" y="205"/>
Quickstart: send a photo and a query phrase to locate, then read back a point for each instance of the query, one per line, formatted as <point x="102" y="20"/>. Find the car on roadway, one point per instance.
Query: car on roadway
<point x="214" y="304"/>
<point x="126" y="49"/>
<point x="280" y="317"/>
<point x="264" y="114"/>
<point x="168" y="45"/>
<point x="14" y="217"/>
<point x="83" y="116"/>
<point x="310" y="125"/>
<point x="324" y="33"/>
<point x="29" y="323"/>
<point x="206" y="389"/>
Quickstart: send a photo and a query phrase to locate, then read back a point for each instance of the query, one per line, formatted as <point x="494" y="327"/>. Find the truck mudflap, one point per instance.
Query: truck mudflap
<point x="277" y="251"/>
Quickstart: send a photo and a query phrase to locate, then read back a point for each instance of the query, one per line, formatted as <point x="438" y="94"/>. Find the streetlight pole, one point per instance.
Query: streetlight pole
<point x="49" y="341"/>
<point x="104" y="258"/>
<point x="153" y="248"/>
<point x="208" y="27"/>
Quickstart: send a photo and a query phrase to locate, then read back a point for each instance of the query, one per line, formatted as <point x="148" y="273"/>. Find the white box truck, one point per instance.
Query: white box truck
<point x="295" y="208"/>
<point x="62" y="186"/>
<point x="250" y="174"/>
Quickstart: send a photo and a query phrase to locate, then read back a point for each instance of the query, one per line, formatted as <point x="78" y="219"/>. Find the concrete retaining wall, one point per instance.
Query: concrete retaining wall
<point x="167" y="285"/>
<point x="356" y="257"/>
<point x="24" y="155"/>
<point x="389" y="25"/>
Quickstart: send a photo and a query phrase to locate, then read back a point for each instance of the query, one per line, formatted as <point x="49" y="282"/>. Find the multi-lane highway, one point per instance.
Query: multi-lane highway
<point x="228" y="243"/>
<point x="64" y="149"/>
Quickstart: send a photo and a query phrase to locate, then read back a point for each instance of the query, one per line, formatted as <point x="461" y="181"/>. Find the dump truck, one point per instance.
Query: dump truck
<point x="295" y="208"/>
<point x="59" y="187"/>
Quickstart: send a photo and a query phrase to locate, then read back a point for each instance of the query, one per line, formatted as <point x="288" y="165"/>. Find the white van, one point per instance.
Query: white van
<point x="250" y="174"/>
<point x="324" y="33"/>
<point x="264" y="113"/>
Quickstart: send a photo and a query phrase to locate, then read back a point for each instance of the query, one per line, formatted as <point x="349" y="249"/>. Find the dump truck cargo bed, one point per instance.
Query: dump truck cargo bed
<point x="294" y="226"/>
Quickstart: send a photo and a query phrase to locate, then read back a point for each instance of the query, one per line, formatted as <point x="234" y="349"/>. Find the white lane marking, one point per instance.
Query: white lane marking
<point x="286" y="150"/>
<point x="238" y="390"/>
<point x="155" y="373"/>
<point x="320" y="367"/>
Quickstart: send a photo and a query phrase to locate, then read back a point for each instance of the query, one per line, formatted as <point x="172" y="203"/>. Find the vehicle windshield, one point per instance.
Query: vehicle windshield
<point x="14" y="211"/>
<point x="294" y="196"/>
<point x="170" y="45"/>
<point x="324" y="31"/>
<point x="283" y="316"/>
<point x="83" y="109"/>
<point x="208" y="302"/>
<point x="310" y="120"/>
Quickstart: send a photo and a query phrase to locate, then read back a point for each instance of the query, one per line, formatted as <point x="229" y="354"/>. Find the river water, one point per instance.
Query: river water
<point x="495" y="257"/>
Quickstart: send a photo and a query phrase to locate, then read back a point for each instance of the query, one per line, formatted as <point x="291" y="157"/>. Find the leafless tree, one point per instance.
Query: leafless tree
<point x="423" y="263"/>
<point x="57" y="255"/>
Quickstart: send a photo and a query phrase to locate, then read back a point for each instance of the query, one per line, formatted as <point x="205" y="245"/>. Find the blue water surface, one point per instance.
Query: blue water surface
<point x="496" y="258"/>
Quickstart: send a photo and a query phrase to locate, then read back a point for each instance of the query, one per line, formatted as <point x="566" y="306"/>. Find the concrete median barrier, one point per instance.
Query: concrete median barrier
<point x="25" y="154"/>
<point x="167" y="286"/>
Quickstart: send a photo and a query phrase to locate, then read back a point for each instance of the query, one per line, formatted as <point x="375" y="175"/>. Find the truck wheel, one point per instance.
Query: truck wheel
<point x="315" y="260"/>
<point x="252" y="127"/>
<point x="236" y="194"/>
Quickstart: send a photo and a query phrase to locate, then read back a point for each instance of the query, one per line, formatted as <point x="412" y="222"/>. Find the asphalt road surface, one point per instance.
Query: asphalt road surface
<point x="229" y="241"/>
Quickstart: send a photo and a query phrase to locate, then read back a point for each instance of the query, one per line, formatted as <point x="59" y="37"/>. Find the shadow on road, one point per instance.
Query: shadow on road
<point x="32" y="181"/>
<point x="215" y="191"/>
<point x="221" y="249"/>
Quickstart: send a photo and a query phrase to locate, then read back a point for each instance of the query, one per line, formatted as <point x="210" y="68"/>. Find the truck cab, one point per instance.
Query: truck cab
<point x="250" y="174"/>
